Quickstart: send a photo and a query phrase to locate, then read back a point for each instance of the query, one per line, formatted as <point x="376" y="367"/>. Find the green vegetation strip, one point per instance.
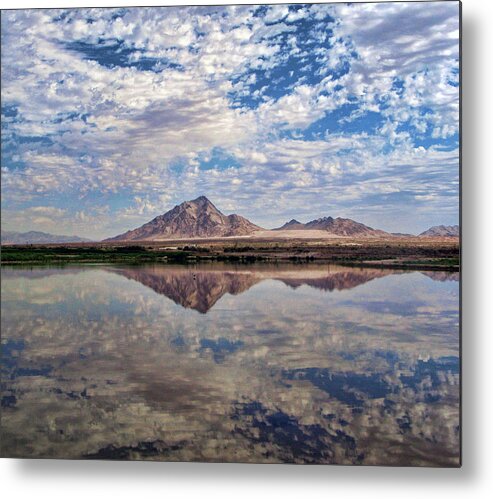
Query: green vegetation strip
<point x="140" y="254"/>
<point x="62" y="254"/>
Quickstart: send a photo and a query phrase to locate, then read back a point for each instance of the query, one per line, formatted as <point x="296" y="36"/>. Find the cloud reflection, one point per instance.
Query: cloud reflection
<point x="277" y="370"/>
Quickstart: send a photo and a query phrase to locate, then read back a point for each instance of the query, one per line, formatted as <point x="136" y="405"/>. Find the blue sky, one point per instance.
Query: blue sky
<point x="112" y="116"/>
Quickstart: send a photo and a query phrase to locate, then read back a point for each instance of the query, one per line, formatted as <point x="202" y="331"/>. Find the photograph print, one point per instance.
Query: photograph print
<point x="231" y="233"/>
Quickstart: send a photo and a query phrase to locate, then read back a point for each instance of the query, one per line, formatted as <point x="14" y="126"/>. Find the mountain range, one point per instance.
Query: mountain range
<point x="35" y="237"/>
<point x="199" y="218"/>
<point x="336" y="226"/>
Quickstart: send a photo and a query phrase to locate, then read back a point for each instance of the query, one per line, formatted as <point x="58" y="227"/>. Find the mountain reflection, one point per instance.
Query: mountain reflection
<point x="201" y="287"/>
<point x="197" y="289"/>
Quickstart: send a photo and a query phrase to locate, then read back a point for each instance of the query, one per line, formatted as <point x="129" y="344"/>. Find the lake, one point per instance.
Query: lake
<point x="254" y="363"/>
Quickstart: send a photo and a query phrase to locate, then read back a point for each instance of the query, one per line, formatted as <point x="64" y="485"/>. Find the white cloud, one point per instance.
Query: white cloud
<point x="406" y="40"/>
<point x="125" y="131"/>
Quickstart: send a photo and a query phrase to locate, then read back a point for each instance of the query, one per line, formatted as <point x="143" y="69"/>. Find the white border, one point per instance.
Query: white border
<point x="80" y="479"/>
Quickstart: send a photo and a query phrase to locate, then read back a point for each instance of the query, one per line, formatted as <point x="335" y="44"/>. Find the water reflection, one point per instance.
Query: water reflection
<point x="202" y="286"/>
<point x="308" y="364"/>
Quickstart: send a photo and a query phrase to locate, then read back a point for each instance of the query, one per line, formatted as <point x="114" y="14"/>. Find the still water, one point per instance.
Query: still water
<point x="286" y="363"/>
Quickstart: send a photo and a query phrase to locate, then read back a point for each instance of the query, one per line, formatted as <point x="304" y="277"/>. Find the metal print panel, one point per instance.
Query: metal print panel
<point x="231" y="234"/>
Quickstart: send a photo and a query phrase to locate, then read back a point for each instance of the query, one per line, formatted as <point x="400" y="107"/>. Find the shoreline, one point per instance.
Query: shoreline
<point x="357" y="265"/>
<point x="397" y="253"/>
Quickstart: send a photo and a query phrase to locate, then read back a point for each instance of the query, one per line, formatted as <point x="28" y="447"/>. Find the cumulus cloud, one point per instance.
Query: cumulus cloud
<point x="119" y="108"/>
<point x="415" y="45"/>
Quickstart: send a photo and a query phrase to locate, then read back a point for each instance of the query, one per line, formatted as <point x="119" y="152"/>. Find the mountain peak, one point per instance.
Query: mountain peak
<point x="200" y="200"/>
<point x="198" y="218"/>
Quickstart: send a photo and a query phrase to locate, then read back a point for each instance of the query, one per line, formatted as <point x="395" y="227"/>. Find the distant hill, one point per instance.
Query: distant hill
<point x="292" y="225"/>
<point x="35" y="237"/>
<point x="441" y="231"/>
<point x="336" y="226"/>
<point x="192" y="219"/>
<point x="401" y="234"/>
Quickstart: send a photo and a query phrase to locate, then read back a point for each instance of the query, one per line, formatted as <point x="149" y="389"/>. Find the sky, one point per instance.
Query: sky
<point x="111" y="117"/>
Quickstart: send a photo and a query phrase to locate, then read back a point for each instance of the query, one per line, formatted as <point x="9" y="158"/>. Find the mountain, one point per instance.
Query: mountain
<point x="441" y="231"/>
<point x="336" y="226"/>
<point x="34" y="237"/>
<point x="197" y="218"/>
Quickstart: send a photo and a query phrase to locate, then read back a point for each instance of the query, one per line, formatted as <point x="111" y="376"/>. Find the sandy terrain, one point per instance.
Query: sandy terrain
<point x="292" y="234"/>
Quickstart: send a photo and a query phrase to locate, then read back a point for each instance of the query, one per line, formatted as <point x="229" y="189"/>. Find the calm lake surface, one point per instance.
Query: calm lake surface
<point x="286" y="363"/>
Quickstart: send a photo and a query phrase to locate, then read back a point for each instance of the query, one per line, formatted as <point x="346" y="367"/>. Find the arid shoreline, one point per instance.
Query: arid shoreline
<point x="396" y="252"/>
